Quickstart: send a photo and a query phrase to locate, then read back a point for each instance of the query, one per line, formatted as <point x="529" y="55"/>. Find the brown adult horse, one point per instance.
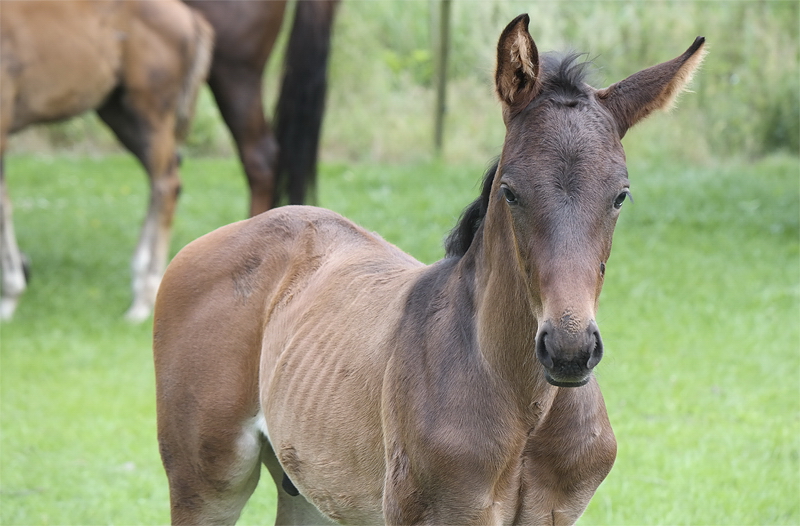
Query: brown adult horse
<point x="380" y="390"/>
<point x="139" y="64"/>
<point x="280" y="166"/>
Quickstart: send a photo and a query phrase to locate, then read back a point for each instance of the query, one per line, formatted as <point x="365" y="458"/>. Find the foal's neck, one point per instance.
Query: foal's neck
<point x="505" y="314"/>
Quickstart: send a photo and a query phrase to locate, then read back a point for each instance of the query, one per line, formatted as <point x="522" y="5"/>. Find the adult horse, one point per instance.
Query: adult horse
<point x="379" y="390"/>
<point x="279" y="166"/>
<point x="139" y="64"/>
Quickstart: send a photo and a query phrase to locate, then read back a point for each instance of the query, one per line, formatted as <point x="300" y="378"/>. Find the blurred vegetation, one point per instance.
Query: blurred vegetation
<point x="746" y="100"/>
<point x="380" y="108"/>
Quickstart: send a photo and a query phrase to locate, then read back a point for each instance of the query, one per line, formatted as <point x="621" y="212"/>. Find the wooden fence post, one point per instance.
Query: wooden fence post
<point x="442" y="44"/>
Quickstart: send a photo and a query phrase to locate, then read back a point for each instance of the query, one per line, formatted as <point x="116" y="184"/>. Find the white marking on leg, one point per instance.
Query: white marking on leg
<point x="248" y="453"/>
<point x="13" y="280"/>
<point x="143" y="299"/>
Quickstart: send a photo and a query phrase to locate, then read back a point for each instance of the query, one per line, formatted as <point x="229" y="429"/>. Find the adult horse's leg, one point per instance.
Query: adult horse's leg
<point x="11" y="265"/>
<point x="151" y="138"/>
<point x="245" y="35"/>
<point x="237" y="88"/>
<point x="11" y="259"/>
<point x="150" y="112"/>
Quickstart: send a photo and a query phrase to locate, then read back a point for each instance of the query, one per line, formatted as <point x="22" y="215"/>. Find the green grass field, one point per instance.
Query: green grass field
<point x="699" y="317"/>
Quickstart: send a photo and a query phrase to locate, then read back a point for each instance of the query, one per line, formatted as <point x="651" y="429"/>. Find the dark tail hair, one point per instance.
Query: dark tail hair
<point x="298" y="117"/>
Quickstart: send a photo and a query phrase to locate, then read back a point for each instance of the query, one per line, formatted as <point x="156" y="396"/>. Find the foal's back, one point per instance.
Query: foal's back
<point x="264" y="265"/>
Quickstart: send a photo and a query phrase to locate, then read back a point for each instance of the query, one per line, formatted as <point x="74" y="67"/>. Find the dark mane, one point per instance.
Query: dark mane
<point x="563" y="80"/>
<point x="460" y="238"/>
<point x="563" y="76"/>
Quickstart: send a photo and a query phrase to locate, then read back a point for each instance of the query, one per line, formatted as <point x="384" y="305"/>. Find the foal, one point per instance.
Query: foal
<point x="382" y="391"/>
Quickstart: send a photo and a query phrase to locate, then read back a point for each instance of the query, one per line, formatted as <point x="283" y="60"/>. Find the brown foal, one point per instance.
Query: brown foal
<point x="378" y="390"/>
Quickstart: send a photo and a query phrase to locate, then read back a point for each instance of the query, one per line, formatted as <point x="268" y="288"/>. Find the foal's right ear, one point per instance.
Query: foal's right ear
<point x="517" y="75"/>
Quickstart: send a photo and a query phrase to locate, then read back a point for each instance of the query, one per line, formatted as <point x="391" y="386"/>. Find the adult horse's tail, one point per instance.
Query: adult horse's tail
<point x="202" y="49"/>
<point x="298" y="117"/>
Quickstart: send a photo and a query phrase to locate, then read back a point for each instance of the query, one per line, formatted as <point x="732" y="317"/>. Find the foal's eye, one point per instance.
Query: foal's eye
<point x="621" y="199"/>
<point x="508" y="194"/>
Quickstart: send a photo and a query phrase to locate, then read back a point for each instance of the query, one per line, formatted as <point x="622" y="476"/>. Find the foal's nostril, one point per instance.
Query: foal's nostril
<point x="596" y="353"/>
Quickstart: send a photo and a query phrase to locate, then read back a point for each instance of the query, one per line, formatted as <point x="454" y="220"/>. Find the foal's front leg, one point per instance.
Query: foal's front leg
<point x="440" y="487"/>
<point x="567" y="458"/>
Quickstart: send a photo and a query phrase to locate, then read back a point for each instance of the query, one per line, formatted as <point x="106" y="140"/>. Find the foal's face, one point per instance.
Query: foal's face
<point x="561" y="183"/>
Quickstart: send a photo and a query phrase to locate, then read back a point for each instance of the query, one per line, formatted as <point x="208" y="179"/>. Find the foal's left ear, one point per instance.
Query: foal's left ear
<point x="655" y="88"/>
<point x="517" y="75"/>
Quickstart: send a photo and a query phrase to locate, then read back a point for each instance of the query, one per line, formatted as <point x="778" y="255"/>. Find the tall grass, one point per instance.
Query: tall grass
<point x="380" y="105"/>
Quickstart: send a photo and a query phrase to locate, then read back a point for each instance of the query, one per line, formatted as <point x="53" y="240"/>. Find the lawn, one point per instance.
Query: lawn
<point x="700" y="318"/>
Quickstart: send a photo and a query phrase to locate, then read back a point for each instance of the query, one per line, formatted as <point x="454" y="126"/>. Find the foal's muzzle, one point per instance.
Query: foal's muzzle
<point x="568" y="356"/>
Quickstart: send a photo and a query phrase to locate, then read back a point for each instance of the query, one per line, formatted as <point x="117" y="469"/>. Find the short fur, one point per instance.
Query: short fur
<point x="385" y="391"/>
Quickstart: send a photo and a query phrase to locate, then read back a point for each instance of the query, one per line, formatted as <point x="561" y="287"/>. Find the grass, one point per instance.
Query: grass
<point x="699" y="316"/>
<point x="702" y="312"/>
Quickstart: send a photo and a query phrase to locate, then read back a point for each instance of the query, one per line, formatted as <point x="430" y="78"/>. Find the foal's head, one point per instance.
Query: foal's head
<point x="559" y="185"/>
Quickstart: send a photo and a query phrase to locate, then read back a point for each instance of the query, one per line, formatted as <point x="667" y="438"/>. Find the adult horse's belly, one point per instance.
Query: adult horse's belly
<point x="322" y="370"/>
<point x="60" y="61"/>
